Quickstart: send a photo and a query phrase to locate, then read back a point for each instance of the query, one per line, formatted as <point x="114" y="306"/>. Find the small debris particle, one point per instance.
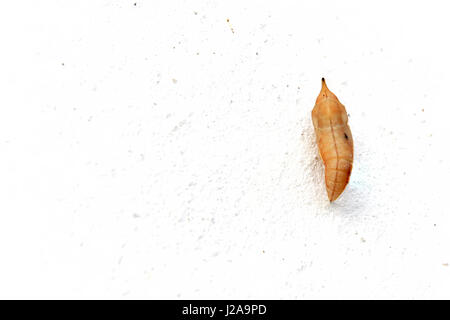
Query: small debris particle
<point x="135" y="4"/>
<point x="445" y="264"/>
<point x="231" y="28"/>
<point x="363" y="240"/>
<point x="174" y="81"/>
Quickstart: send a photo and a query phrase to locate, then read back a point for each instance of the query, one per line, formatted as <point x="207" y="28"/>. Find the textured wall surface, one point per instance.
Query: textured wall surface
<point x="165" y="149"/>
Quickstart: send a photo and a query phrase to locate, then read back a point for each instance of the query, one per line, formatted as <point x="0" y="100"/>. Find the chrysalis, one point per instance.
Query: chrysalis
<point x="334" y="140"/>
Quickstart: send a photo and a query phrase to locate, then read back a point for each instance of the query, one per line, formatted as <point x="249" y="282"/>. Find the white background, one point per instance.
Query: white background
<point x="151" y="149"/>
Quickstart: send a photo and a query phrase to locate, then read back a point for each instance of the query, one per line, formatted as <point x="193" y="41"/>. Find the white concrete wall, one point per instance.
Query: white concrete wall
<point x="151" y="149"/>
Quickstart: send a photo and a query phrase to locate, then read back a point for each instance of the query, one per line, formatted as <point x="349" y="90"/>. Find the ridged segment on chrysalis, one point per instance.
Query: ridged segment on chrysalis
<point x="334" y="140"/>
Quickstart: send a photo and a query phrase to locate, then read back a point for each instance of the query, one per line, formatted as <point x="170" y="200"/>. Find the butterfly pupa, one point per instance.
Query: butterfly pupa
<point x="334" y="140"/>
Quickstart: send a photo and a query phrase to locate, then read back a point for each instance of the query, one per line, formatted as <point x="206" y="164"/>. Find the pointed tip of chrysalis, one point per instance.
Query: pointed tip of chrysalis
<point x="325" y="93"/>
<point x="324" y="84"/>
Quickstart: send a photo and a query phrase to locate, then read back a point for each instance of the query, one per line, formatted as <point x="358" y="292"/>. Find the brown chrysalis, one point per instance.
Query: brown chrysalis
<point x="334" y="140"/>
